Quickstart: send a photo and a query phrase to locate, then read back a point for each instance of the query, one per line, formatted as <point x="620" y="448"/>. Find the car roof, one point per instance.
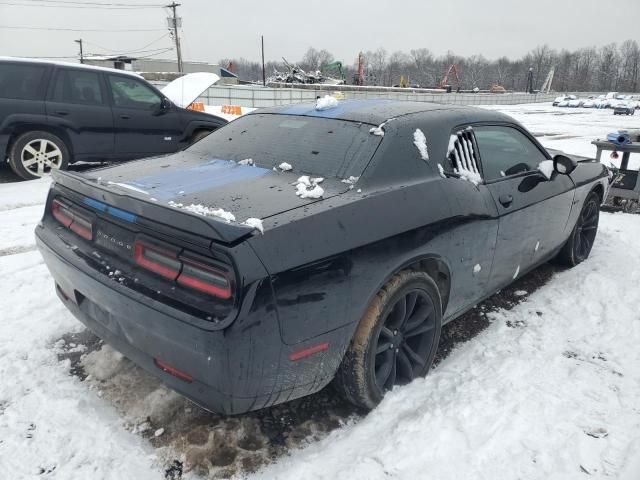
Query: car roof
<point x="376" y="111"/>
<point x="68" y="64"/>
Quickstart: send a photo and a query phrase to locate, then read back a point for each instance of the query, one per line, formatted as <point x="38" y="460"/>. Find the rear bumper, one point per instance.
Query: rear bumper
<point x="241" y="368"/>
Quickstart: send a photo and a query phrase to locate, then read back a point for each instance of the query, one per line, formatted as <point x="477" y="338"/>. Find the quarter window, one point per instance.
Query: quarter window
<point x="506" y="151"/>
<point x="76" y="86"/>
<point x="131" y="93"/>
<point x="21" y="82"/>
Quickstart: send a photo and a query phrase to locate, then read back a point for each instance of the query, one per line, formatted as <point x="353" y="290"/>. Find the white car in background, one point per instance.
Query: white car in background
<point x="186" y="90"/>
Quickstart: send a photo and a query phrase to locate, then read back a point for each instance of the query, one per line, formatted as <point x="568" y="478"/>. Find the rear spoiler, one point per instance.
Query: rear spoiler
<point x="130" y="207"/>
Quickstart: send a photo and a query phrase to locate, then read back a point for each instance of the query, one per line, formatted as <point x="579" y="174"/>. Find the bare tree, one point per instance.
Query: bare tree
<point x="588" y="69"/>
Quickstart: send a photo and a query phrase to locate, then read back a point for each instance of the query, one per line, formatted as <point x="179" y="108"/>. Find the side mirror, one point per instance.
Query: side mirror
<point x="165" y="104"/>
<point x="563" y="164"/>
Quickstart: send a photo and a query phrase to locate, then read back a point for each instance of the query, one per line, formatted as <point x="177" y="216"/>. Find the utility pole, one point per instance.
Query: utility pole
<point x="264" y="79"/>
<point x="174" y="23"/>
<point x="79" y="42"/>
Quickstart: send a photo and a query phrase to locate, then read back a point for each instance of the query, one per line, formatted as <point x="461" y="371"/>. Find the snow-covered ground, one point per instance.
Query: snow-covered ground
<point x="550" y="390"/>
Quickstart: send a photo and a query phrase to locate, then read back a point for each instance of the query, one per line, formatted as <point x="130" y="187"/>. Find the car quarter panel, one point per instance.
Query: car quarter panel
<point x="330" y="258"/>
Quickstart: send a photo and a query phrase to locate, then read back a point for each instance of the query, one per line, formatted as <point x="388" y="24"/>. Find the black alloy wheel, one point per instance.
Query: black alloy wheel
<point x="586" y="229"/>
<point x="405" y="340"/>
<point x="395" y="341"/>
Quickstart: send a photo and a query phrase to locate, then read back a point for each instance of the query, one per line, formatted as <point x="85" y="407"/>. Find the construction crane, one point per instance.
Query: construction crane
<point x="445" y="80"/>
<point x="331" y="68"/>
<point x="359" y="79"/>
<point x="546" y="86"/>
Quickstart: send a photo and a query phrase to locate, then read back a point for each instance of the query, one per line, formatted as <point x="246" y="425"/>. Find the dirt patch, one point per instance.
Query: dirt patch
<point x="190" y="439"/>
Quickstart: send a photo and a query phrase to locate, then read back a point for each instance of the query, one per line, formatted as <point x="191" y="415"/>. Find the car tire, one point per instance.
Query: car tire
<point x="35" y="154"/>
<point x="583" y="235"/>
<point x="395" y="341"/>
<point x="199" y="135"/>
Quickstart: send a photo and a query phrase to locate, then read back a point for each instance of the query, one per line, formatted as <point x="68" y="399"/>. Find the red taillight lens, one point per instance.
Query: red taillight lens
<point x="72" y="218"/>
<point x="61" y="213"/>
<point x="205" y="278"/>
<point x="160" y="261"/>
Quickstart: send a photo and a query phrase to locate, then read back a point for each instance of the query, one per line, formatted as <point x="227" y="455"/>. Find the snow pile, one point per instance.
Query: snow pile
<point x="326" y="102"/>
<point x="307" y="187"/>
<point x="551" y="398"/>
<point x="555" y="397"/>
<point x="285" y="167"/>
<point x="351" y="180"/>
<point x="468" y="175"/>
<point x="546" y="168"/>
<point x="254" y="223"/>
<point x="103" y="364"/>
<point x="441" y="171"/>
<point x="205" y="211"/>
<point x="420" y="141"/>
<point x="247" y="161"/>
<point x="379" y="130"/>
<point x="308" y="181"/>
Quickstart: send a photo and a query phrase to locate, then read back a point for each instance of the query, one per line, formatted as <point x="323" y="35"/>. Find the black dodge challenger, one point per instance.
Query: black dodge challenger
<point x="304" y="244"/>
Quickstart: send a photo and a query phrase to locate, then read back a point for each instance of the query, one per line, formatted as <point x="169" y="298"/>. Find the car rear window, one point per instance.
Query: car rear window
<point x="311" y="145"/>
<point x="20" y="82"/>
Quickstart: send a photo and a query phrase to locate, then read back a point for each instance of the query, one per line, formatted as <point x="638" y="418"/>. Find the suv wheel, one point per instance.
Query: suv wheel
<point x="35" y="154"/>
<point x="395" y="341"/>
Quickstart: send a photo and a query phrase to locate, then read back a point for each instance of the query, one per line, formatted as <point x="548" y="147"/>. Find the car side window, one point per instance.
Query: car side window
<point x="20" y="82"/>
<point x="131" y="93"/>
<point x="77" y="86"/>
<point x="506" y="151"/>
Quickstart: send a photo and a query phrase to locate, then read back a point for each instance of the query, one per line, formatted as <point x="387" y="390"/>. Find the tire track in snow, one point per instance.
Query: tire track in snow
<point x="213" y="445"/>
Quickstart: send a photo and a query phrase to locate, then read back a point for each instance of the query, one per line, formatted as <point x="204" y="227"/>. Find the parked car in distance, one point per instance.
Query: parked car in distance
<point x="295" y="245"/>
<point x="624" y="108"/>
<point x="53" y="114"/>
<point x="559" y="99"/>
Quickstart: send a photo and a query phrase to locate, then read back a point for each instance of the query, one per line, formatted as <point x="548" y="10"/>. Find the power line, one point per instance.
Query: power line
<point x="12" y="27"/>
<point x="84" y="7"/>
<point x="130" y="51"/>
<point x="154" y="51"/>
<point x="98" y="3"/>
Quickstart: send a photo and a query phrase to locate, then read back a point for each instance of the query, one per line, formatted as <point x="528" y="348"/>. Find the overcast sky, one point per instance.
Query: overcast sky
<point x="215" y="29"/>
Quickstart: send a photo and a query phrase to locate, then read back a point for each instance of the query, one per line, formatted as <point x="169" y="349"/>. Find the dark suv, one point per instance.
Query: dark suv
<point x="53" y="114"/>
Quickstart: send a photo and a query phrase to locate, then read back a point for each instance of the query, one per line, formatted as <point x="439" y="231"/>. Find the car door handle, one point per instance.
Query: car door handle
<point x="125" y="117"/>
<point x="506" y="200"/>
<point x="62" y="113"/>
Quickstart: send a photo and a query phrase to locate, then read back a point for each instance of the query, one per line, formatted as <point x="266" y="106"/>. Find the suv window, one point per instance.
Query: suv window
<point x="131" y="93"/>
<point x="20" y="81"/>
<point x="506" y="151"/>
<point x="77" y="86"/>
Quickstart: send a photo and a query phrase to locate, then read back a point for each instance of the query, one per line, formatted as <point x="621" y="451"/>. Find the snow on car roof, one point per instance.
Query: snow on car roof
<point x="67" y="64"/>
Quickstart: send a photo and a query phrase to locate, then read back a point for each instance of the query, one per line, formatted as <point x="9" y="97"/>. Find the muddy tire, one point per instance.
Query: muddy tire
<point x="35" y="154"/>
<point x="395" y="341"/>
<point x="580" y="242"/>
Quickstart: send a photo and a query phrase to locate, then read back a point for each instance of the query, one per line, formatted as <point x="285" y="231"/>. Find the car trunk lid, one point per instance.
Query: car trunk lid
<point x="207" y="196"/>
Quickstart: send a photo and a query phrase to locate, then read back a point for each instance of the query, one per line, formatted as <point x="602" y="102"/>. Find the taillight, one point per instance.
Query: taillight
<point x="188" y="270"/>
<point x="61" y="213"/>
<point x="73" y="218"/>
<point x="205" y="278"/>
<point x="158" y="260"/>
